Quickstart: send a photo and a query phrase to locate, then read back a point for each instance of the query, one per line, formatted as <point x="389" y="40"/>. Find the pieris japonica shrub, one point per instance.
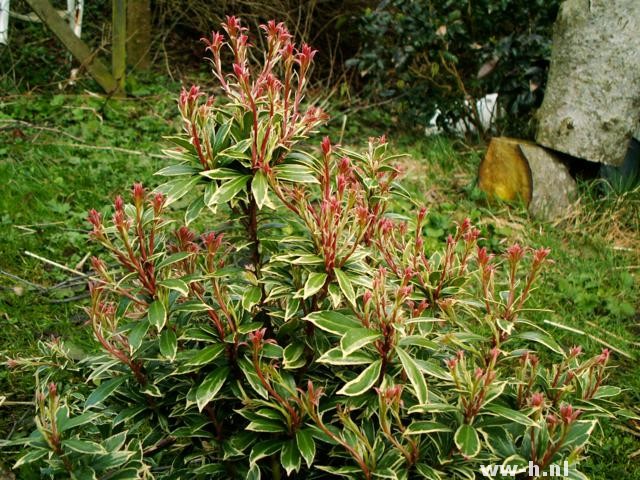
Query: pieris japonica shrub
<point x="265" y="314"/>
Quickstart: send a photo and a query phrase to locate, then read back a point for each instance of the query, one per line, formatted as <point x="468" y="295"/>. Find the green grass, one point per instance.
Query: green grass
<point x="61" y="155"/>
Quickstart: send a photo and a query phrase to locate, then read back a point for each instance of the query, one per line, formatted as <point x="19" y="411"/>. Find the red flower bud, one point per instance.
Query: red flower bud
<point x="95" y="218"/>
<point x="158" y="203"/>
<point x="214" y="45"/>
<point x="540" y="255"/>
<point x="118" y="204"/>
<point x="366" y="297"/>
<point x="495" y="353"/>
<point x="241" y="72"/>
<point x="537" y="400"/>
<point x="421" y="214"/>
<point x="603" y="358"/>
<point x="138" y="194"/>
<point x="233" y="26"/>
<point x="326" y="146"/>
<point x="257" y="337"/>
<point x="515" y="253"/>
<point x="313" y="393"/>
<point x="568" y="414"/>
<point x="575" y="351"/>
<point x="98" y="265"/>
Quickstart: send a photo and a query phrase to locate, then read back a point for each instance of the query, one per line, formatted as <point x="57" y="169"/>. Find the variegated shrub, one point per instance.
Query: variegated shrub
<point x="307" y="331"/>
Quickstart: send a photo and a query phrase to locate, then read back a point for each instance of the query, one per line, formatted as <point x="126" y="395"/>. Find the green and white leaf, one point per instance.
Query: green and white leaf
<point x="157" y="315"/>
<point x="467" y="440"/>
<point x="345" y="285"/>
<point x="333" y="322"/>
<point x="168" y="344"/>
<point x="364" y="381"/>
<point x="414" y="375"/>
<point x="210" y="386"/>
<point x="357" y="338"/>
<point x="314" y="283"/>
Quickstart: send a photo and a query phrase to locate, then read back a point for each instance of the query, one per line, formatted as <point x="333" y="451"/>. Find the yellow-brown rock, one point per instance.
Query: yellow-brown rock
<point x="517" y="169"/>
<point x="504" y="172"/>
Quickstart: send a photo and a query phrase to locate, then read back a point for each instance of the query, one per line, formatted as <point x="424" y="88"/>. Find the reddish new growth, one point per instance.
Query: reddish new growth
<point x="346" y="212"/>
<point x="135" y="241"/>
<point x="272" y="92"/>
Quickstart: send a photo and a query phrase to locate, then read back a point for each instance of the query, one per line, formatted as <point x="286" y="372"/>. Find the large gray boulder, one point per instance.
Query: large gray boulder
<point x="591" y="107"/>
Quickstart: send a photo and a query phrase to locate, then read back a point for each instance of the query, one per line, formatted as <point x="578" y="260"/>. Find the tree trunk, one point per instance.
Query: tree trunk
<point x="591" y="106"/>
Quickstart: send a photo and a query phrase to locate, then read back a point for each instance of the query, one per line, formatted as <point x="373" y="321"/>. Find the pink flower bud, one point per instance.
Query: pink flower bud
<point x="537" y="400"/>
<point x="471" y="235"/>
<point x="405" y="291"/>
<point x="483" y="257"/>
<point x="118" y="204"/>
<point x="575" y="351"/>
<point x="95" y="218"/>
<point x="233" y="26"/>
<point x="540" y="255"/>
<point x="305" y="56"/>
<point x="421" y="214"/>
<point x="568" y="414"/>
<point x="98" y="265"/>
<point x="121" y="221"/>
<point x="366" y="297"/>
<point x="158" y="203"/>
<point x="241" y="72"/>
<point x="194" y="94"/>
<point x="603" y="358"/>
<point x="313" y="393"/>
<point x="342" y="183"/>
<point x="182" y="100"/>
<point x="515" y="253"/>
<point x="214" y="45"/>
<point x="287" y="51"/>
<point x="495" y="353"/>
<point x="326" y="146"/>
<point x="479" y="373"/>
<point x="138" y="194"/>
<point x="53" y="390"/>
<point x="257" y="337"/>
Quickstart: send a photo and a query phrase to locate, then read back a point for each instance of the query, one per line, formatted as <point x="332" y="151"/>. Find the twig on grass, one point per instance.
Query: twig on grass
<point x="56" y="264"/>
<point x="592" y="337"/>
<point x="22" y="280"/>
<point x="81" y="146"/>
<point x="11" y="123"/>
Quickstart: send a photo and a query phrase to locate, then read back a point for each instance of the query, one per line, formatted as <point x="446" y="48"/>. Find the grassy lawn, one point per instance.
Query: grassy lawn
<point x="60" y="156"/>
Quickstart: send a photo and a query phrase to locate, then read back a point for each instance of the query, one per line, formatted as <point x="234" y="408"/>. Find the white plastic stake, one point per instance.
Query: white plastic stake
<point x="4" y="22"/>
<point x="75" y="10"/>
